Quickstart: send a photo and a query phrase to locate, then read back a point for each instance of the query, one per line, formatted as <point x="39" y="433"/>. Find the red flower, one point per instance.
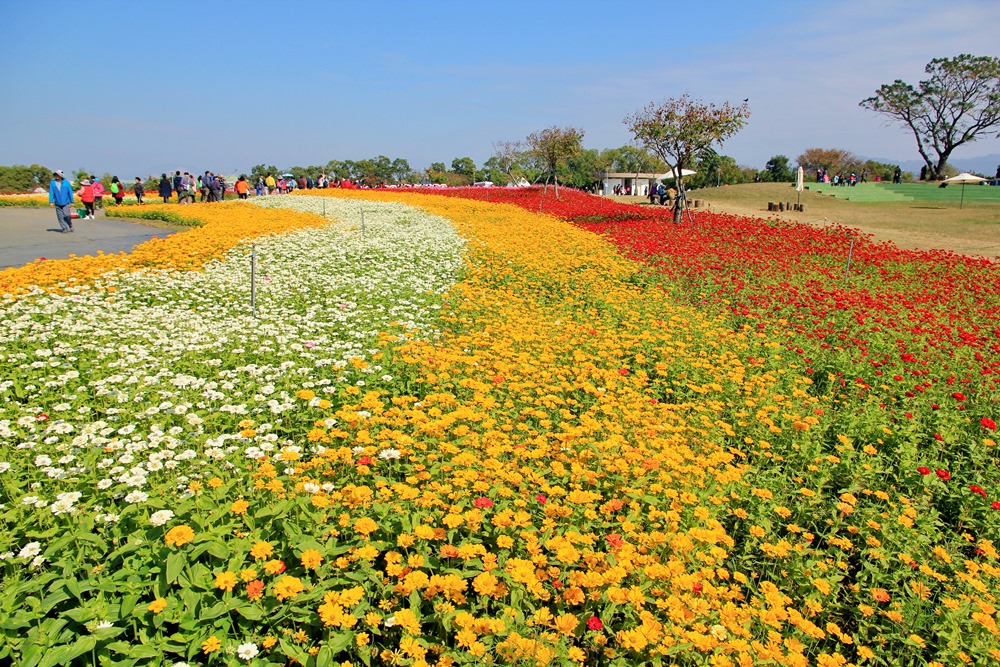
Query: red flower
<point x="977" y="489"/>
<point x="594" y="623"/>
<point x="938" y="437"/>
<point x="622" y="371"/>
<point x="924" y="470"/>
<point x="697" y="588"/>
<point x="988" y="424"/>
<point x="943" y="474"/>
<point x="958" y="396"/>
<point x="542" y="498"/>
<point x="364" y="461"/>
<point x="995" y="504"/>
<point x="615" y="540"/>
<point x="482" y="502"/>
<point x="556" y="583"/>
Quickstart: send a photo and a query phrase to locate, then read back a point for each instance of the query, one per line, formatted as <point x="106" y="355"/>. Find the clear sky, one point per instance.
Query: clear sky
<point x="134" y="88"/>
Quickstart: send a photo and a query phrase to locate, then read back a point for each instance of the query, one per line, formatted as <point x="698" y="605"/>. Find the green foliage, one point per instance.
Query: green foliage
<point x="778" y="170"/>
<point x="19" y="178"/>
<point x="552" y="147"/>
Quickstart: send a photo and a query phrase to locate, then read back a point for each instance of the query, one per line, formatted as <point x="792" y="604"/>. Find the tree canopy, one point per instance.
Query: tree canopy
<point x="958" y="103"/>
<point x="681" y="129"/>
<point x="552" y="147"/>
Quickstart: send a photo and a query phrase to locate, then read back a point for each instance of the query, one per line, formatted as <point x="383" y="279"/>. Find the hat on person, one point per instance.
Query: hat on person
<point x="85" y="182"/>
<point x="59" y="172"/>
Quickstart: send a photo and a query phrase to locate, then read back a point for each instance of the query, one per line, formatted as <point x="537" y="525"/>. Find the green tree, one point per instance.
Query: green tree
<point x="506" y="162"/>
<point x="19" y="178"/>
<point x="681" y="129"/>
<point x="777" y="168"/>
<point x="465" y="167"/>
<point x="551" y="147"/>
<point x="261" y="171"/>
<point x="632" y="159"/>
<point x="585" y="169"/>
<point x="958" y="103"/>
<point x="400" y="170"/>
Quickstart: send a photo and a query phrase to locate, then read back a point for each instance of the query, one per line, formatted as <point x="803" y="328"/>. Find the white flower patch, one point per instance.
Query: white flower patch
<point x="110" y="398"/>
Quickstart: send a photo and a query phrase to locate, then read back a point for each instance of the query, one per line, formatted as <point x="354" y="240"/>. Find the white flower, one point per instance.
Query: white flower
<point x="390" y="621"/>
<point x="30" y="550"/>
<point x="4" y="466"/>
<point x="161" y="517"/>
<point x="104" y="624"/>
<point x="247" y="651"/>
<point x="136" y="497"/>
<point x="36" y="562"/>
<point x="389" y="453"/>
<point x="42" y="460"/>
<point x="104" y="483"/>
<point x="61" y="507"/>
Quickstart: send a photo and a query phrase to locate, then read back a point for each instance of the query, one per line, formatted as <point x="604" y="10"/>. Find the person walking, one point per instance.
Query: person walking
<point x="139" y="189"/>
<point x="87" y="196"/>
<point x="242" y="187"/>
<point x="165" y="188"/>
<point x="270" y="185"/>
<point x="61" y="197"/>
<point x="117" y="190"/>
<point x="98" y="192"/>
<point x="177" y="185"/>
<point x="205" y="186"/>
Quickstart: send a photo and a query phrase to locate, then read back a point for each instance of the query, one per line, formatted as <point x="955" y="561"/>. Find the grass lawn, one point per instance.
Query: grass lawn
<point x="916" y="216"/>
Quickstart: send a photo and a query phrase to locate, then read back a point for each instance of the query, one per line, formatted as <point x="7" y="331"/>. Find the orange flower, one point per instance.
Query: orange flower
<point x="255" y="589"/>
<point x="880" y="594"/>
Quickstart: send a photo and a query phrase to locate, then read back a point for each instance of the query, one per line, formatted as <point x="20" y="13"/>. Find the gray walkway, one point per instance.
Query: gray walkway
<point x="27" y="234"/>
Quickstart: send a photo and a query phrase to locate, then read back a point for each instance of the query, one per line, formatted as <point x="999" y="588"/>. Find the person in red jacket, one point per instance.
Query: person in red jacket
<point x="87" y="197"/>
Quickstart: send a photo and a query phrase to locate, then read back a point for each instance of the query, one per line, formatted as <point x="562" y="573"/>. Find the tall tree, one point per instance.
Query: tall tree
<point x="681" y="128"/>
<point x="958" y="103"/>
<point x="632" y="158"/>
<point x="506" y="156"/>
<point x="778" y="169"/>
<point x="552" y="147"/>
<point x="834" y="160"/>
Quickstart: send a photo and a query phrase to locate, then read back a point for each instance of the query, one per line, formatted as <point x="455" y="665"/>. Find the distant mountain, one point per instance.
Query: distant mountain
<point x="984" y="164"/>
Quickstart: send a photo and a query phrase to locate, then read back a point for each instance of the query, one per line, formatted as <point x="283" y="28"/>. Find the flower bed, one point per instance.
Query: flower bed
<point x="539" y="457"/>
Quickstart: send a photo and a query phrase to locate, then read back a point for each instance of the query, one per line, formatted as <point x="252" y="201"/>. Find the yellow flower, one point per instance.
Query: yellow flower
<point x="226" y="581"/>
<point x="311" y="559"/>
<point x="211" y="644"/>
<point x="261" y="550"/>
<point x="157" y="605"/>
<point x="268" y="642"/>
<point x="178" y="535"/>
<point x="239" y="506"/>
<point x="248" y="574"/>
<point x="287" y="587"/>
<point x="274" y="567"/>
<point x="365" y="526"/>
<point x="215" y="483"/>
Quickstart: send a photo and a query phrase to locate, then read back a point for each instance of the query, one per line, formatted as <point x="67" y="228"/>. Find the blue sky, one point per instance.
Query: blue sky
<point x="139" y="88"/>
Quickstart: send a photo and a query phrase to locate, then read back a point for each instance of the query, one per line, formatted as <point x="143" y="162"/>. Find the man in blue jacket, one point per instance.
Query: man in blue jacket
<point x="61" y="196"/>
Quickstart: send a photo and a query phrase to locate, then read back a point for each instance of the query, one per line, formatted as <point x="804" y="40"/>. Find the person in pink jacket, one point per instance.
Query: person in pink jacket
<point x="98" y="192"/>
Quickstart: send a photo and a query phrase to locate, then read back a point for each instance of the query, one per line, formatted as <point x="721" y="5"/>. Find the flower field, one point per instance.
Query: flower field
<point x="458" y="431"/>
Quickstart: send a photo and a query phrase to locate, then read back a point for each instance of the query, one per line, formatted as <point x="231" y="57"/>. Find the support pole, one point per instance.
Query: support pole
<point x="847" y="271"/>
<point x="253" y="280"/>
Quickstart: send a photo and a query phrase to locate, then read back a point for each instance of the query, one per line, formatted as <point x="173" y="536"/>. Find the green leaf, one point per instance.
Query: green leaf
<point x="250" y="612"/>
<point x="337" y="643"/>
<point x="144" y="651"/>
<point x="63" y="655"/>
<point x="216" y="611"/>
<point x="175" y="565"/>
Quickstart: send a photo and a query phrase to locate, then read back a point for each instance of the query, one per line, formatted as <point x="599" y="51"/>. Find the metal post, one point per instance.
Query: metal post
<point x="847" y="271"/>
<point x="253" y="280"/>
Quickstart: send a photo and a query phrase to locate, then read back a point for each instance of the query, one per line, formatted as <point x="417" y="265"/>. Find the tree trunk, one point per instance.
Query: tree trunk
<point x="679" y="199"/>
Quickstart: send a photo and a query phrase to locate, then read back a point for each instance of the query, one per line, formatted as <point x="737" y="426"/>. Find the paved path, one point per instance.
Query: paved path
<point x="27" y="234"/>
